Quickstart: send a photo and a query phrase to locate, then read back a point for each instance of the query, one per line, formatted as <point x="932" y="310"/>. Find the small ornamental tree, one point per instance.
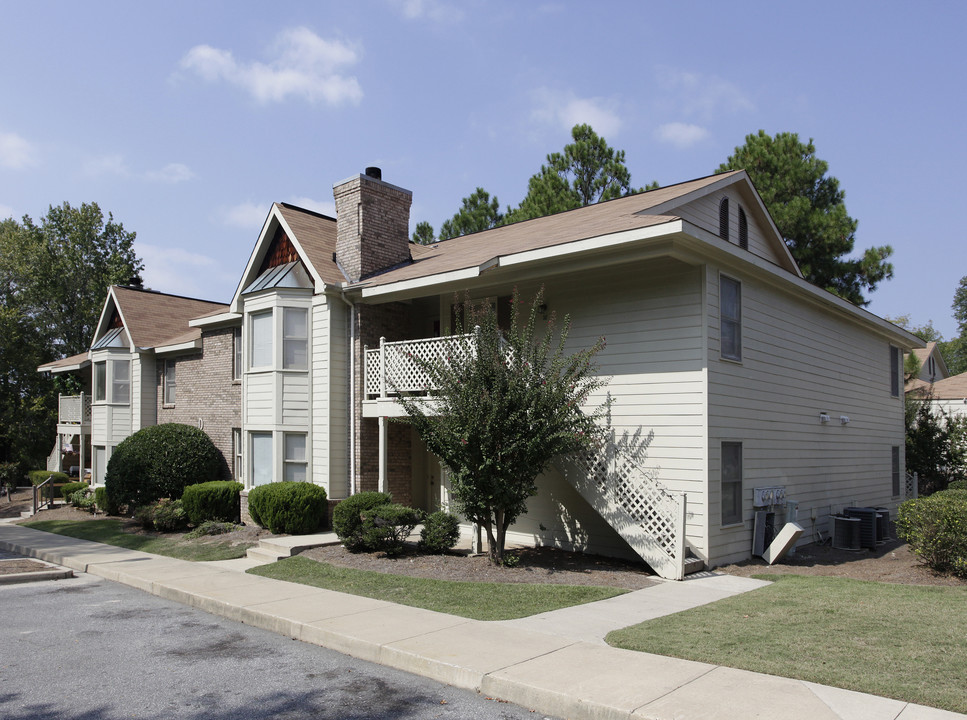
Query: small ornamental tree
<point x="505" y="411"/>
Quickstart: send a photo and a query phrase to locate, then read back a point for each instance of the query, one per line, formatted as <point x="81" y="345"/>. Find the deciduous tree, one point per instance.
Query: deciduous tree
<point x="505" y="410"/>
<point x="808" y="208"/>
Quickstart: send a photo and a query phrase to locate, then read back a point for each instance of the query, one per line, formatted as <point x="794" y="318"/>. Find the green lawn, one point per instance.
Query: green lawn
<point x="478" y="601"/>
<point x="109" y="532"/>
<point x="907" y="642"/>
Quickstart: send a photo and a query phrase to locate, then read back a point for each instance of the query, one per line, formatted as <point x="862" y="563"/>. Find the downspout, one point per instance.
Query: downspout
<point x="352" y="392"/>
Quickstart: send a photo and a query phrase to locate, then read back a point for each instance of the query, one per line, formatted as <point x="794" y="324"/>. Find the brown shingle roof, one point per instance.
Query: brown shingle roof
<point x="612" y="216"/>
<point x="153" y="318"/>
<point x="951" y="388"/>
<point x="65" y="362"/>
<point x="316" y="234"/>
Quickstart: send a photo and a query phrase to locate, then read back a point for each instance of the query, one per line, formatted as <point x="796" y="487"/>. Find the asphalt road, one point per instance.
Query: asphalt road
<point x="90" y="649"/>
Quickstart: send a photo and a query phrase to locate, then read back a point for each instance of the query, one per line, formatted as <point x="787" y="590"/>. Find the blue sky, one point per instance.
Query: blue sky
<point x="186" y="120"/>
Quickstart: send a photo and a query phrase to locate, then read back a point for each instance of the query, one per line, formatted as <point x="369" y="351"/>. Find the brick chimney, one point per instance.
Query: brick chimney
<point x="372" y="224"/>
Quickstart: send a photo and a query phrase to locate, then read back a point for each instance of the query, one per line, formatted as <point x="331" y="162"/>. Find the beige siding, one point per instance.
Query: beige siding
<point x="704" y="212"/>
<point x="799" y="360"/>
<point x="651" y="318"/>
<point x="144" y="390"/>
<point x="294" y="404"/>
<point x="338" y="418"/>
<point x="259" y="399"/>
<point x="320" y="392"/>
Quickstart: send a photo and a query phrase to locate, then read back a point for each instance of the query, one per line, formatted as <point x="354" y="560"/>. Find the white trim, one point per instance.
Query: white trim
<point x="189" y="346"/>
<point x="209" y="321"/>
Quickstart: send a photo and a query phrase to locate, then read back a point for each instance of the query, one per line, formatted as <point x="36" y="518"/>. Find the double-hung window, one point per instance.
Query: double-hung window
<point x="100" y="381"/>
<point x="295" y="457"/>
<point x="169" y="382"/>
<point x="730" y="314"/>
<point x="237" y="351"/>
<point x="295" y="338"/>
<point x="731" y="483"/>
<point x="112" y="381"/>
<point x="261" y="341"/>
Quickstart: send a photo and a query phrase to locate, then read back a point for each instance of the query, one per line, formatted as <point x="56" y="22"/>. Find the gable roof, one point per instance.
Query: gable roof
<point x="633" y="212"/>
<point x="951" y="388"/>
<point x="923" y="354"/>
<point x="72" y="362"/>
<point x="152" y="318"/>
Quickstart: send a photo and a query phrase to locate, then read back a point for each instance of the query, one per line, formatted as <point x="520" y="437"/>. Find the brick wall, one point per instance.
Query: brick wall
<point x="205" y="392"/>
<point x="372" y="228"/>
<point x="391" y="321"/>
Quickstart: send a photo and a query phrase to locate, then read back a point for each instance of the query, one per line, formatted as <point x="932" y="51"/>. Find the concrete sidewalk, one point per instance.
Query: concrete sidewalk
<point x="529" y="662"/>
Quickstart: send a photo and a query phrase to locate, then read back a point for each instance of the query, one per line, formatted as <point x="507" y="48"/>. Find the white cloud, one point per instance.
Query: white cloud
<point x="247" y="216"/>
<point x="171" y="173"/>
<point x="16" y="152"/>
<point x="5" y="212"/>
<point x="326" y="207"/>
<point x="681" y="135"/>
<point x="179" y="271"/>
<point x="434" y="10"/>
<point x="566" y="110"/>
<point x="303" y="65"/>
<point x="705" y="96"/>
<point x="107" y="165"/>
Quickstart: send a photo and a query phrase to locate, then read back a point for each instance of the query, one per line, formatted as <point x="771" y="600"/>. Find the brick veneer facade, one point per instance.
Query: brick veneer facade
<point x="206" y="392"/>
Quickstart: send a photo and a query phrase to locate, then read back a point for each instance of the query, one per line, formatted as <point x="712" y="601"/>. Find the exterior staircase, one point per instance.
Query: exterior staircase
<point x="271" y="549"/>
<point x="648" y="517"/>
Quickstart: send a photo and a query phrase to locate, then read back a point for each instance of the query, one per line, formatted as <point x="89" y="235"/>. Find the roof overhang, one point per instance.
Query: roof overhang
<point x="178" y="348"/>
<point x="68" y="364"/>
<point x="209" y="322"/>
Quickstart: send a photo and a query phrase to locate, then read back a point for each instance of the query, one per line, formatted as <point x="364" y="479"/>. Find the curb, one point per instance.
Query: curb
<point x="36" y="576"/>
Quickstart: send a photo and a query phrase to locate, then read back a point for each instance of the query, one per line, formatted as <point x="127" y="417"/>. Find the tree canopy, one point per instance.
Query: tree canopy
<point x="505" y="410"/>
<point x="587" y="171"/>
<point x="53" y="280"/>
<point x="477" y="212"/>
<point x="809" y="210"/>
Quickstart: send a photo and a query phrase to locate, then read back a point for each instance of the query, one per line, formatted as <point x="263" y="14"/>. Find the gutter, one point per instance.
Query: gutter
<point x="352" y="391"/>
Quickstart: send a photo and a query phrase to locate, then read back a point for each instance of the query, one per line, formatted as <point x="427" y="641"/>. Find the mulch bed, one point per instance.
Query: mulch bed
<point x="21" y="565"/>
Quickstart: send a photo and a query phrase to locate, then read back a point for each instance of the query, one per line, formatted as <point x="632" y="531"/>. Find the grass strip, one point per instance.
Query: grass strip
<point x="474" y="600"/>
<point x="110" y="532"/>
<point x="907" y="642"/>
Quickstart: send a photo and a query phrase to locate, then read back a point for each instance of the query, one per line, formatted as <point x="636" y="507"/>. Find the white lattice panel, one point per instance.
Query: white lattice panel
<point x="404" y="363"/>
<point x="74" y="409"/>
<point x="372" y="371"/>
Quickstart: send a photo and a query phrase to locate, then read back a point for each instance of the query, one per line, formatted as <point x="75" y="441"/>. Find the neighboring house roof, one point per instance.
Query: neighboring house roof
<point x="74" y="362"/>
<point x="924" y="355"/>
<point x="951" y="388"/>
<point x="152" y="318"/>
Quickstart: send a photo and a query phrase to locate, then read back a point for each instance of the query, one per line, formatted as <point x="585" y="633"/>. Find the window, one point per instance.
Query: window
<point x="731" y="483"/>
<point x="237" y="347"/>
<point x="743" y="230"/>
<point x="730" y="312"/>
<point x="100" y="463"/>
<point x="895" y="470"/>
<point x="261" y="458"/>
<point x="295" y="457"/>
<point x="120" y="382"/>
<point x="894" y="371"/>
<point x="295" y="339"/>
<point x="169" y="383"/>
<point x="261" y="340"/>
<point x="237" y="454"/>
<point x="100" y="381"/>
<point x="724" y="219"/>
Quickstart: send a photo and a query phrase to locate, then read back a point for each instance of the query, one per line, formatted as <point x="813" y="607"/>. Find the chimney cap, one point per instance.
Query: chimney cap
<point x="374" y="172"/>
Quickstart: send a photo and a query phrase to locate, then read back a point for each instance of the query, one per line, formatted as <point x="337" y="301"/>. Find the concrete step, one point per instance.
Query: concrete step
<point x="264" y="555"/>
<point x="26" y="513"/>
<point x="693" y="565"/>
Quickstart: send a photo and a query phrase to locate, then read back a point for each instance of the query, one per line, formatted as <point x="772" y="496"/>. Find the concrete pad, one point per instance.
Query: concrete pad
<point x="195" y="590"/>
<point x="293" y="544"/>
<point x="591" y="681"/>
<point x="142" y="573"/>
<point x="237" y="564"/>
<point x="362" y="634"/>
<point x="726" y="693"/>
<point x="324" y="605"/>
<point x="463" y="654"/>
<point x="725" y="583"/>
<point x="856" y="705"/>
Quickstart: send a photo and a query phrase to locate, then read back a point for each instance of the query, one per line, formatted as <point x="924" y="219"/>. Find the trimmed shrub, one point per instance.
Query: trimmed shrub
<point x="81" y="499"/>
<point x="70" y="488"/>
<point x="103" y="503"/>
<point x="346" y="520"/>
<point x="386" y="527"/>
<point x="36" y="477"/>
<point x="957" y="485"/>
<point x="159" y="461"/>
<point x="936" y="528"/>
<point x="294" y="508"/>
<point x="144" y="516"/>
<point x="441" y="531"/>
<point x="166" y="515"/>
<point x="217" y="500"/>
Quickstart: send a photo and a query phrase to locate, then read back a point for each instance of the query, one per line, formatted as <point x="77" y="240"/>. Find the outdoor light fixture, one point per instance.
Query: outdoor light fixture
<point x="844" y="419"/>
<point x="823" y="417"/>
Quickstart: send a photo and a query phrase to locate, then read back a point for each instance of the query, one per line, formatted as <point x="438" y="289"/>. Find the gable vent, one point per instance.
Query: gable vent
<point x="743" y="230"/>
<point x="724" y="219"/>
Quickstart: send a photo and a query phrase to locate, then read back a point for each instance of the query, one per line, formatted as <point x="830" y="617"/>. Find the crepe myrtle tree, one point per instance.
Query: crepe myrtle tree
<point x="505" y="409"/>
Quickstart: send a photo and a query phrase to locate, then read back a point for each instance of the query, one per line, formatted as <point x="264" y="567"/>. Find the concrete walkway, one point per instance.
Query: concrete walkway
<point x="532" y="663"/>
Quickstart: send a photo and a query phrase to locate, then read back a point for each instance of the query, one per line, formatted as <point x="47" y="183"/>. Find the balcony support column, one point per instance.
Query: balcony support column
<point x="383" y="453"/>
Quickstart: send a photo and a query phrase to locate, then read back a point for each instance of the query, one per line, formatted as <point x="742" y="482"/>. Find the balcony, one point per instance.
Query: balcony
<point x="74" y="414"/>
<point x="396" y="368"/>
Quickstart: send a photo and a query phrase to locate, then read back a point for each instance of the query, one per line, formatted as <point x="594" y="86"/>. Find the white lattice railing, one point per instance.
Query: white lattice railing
<point x="400" y="367"/>
<point x="74" y="409"/>
<point x="649" y="517"/>
<point x="911" y="486"/>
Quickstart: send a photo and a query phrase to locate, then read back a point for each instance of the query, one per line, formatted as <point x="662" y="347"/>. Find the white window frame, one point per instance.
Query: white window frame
<point x="169" y="383"/>
<point x="264" y="351"/>
<point x="260" y="441"/>
<point x="295" y="341"/>
<point x="100" y="381"/>
<point x="237" y="354"/>
<point x="237" y="454"/>
<point x="730" y="322"/>
<point x="117" y="384"/>
<point x="295" y="464"/>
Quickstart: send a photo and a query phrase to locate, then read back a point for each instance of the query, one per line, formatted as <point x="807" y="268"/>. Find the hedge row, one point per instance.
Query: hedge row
<point x="936" y="528"/>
